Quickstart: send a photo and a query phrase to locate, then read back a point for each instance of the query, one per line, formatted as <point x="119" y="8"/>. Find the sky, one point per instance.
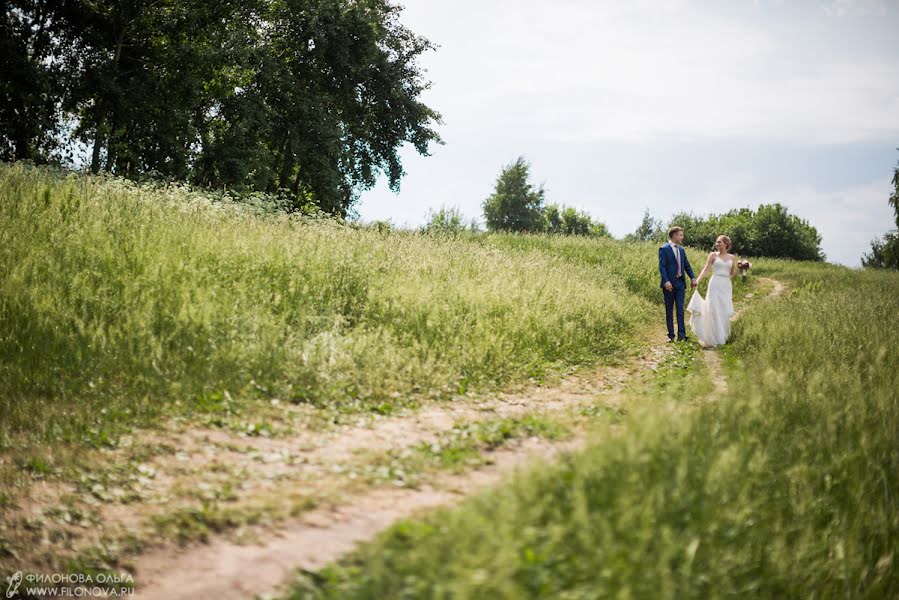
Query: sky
<point x="666" y="105"/>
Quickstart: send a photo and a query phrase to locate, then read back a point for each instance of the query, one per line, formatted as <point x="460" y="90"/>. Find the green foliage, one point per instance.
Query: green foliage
<point x="552" y="218"/>
<point x="460" y="448"/>
<point x="569" y="221"/>
<point x="649" y="230"/>
<point x="598" y="229"/>
<point x="894" y="197"/>
<point x="515" y="205"/>
<point x="575" y="222"/>
<point x="199" y="523"/>
<point x="448" y="220"/>
<point x="784" y="487"/>
<point x="769" y="231"/>
<point x="310" y="99"/>
<point x="118" y="300"/>
<point x="885" y="253"/>
<point x="29" y="112"/>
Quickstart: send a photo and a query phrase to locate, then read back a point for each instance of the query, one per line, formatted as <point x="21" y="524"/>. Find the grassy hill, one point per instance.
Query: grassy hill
<point x="121" y="303"/>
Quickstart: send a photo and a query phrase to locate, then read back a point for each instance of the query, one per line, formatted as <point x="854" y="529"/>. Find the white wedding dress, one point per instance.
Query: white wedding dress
<point x="710" y="316"/>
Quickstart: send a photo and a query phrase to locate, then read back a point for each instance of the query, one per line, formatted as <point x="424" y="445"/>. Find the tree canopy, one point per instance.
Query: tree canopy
<point x="310" y="99"/>
<point x="770" y="230"/>
<point x="517" y="205"/>
<point x="567" y="220"/>
<point x="448" y="220"/>
<point x="650" y="229"/>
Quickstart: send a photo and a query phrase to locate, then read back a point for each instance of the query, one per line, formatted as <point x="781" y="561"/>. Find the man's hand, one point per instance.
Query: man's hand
<point x="668" y="286"/>
<point x="693" y="283"/>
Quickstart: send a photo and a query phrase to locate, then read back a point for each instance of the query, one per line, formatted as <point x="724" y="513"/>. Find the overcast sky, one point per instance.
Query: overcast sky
<point x="666" y="104"/>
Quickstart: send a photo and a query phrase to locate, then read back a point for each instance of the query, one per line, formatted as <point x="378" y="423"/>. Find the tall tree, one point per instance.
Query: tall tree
<point x="312" y="99"/>
<point x="336" y="93"/>
<point x="30" y="116"/>
<point x="143" y="75"/>
<point x="650" y="229"/>
<point x="515" y="205"/>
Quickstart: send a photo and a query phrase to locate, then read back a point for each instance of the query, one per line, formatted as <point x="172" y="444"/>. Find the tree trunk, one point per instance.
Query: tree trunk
<point x="287" y="162"/>
<point x="98" y="141"/>
<point x="295" y="188"/>
<point x="114" y="121"/>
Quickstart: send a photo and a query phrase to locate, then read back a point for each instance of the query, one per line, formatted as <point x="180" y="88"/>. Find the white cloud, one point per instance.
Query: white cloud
<point x="637" y="71"/>
<point x="841" y="8"/>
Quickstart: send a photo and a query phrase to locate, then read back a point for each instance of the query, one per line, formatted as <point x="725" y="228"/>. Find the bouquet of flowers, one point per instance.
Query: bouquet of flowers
<point x="744" y="266"/>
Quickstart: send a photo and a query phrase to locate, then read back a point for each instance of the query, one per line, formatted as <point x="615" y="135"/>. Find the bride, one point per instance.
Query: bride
<point x="710" y="316"/>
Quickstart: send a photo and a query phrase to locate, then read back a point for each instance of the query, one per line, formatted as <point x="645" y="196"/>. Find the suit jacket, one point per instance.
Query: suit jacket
<point x="668" y="265"/>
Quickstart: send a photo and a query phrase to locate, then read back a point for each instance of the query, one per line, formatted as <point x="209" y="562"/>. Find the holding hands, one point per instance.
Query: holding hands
<point x="693" y="284"/>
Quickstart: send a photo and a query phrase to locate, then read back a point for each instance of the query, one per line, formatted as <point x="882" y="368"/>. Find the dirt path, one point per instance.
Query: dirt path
<point x="225" y="570"/>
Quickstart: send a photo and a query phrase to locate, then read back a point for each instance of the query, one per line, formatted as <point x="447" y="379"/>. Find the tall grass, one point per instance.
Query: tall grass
<point x="117" y="298"/>
<point x="785" y="487"/>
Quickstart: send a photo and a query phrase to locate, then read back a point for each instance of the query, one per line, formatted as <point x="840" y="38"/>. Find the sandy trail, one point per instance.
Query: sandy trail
<point x="224" y="570"/>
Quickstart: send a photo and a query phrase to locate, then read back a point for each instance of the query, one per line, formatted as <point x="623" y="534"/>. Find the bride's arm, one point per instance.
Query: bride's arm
<point x="733" y="267"/>
<point x="705" y="268"/>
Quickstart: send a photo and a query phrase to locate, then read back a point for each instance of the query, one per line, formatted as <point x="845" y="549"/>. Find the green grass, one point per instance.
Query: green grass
<point x="198" y="523"/>
<point x="118" y="301"/>
<point x="787" y="487"/>
<point x="464" y="446"/>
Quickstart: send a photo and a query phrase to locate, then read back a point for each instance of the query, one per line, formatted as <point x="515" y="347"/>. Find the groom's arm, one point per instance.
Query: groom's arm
<point x="662" y="265"/>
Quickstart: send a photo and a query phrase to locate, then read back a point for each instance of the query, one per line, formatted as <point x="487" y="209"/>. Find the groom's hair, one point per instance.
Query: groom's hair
<point x="674" y="230"/>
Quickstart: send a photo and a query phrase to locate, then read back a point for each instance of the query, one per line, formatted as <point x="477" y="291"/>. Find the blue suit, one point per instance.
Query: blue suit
<point x="668" y="271"/>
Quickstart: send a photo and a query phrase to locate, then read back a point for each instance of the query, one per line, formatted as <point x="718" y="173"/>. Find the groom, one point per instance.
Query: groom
<point x="673" y="264"/>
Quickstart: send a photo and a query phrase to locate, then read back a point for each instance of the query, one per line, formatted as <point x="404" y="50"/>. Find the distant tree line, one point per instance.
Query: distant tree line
<point x="768" y="230"/>
<point x="309" y="99"/>
<point x="517" y="205"/>
<point x="885" y="252"/>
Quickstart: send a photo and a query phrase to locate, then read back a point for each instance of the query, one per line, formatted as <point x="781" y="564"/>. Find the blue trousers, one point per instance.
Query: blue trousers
<point x="675" y="299"/>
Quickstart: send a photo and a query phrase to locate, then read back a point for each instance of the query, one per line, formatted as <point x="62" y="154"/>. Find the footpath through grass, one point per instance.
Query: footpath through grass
<point x="787" y="487"/>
